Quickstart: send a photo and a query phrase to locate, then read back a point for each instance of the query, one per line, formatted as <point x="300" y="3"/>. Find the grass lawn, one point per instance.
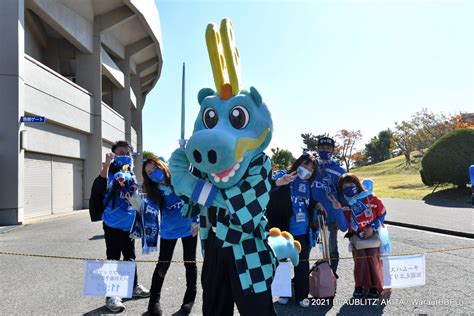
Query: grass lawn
<point x="392" y="179"/>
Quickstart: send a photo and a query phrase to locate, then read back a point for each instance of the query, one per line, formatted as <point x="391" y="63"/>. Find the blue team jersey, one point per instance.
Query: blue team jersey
<point x="173" y="224"/>
<point x="118" y="213"/>
<point x="325" y="183"/>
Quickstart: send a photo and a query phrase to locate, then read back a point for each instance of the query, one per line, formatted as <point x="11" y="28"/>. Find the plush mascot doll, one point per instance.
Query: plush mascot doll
<point x="226" y="176"/>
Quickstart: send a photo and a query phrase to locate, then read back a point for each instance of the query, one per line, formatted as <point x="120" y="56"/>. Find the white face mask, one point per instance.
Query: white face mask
<point x="303" y="173"/>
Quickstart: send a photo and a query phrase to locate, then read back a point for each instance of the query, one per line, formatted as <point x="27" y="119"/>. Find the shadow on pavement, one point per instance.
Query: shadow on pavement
<point x="364" y="307"/>
<point x="453" y="198"/>
<point x="99" y="311"/>
<point x="293" y="308"/>
<point x="97" y="237"/>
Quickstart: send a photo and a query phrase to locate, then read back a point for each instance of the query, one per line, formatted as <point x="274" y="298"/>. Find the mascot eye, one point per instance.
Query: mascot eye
<point x="239" y="117"/>
<point x="210" y="118"/>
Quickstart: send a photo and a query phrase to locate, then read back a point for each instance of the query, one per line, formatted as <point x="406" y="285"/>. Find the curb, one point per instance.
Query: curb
<point x="34" y="220"/>
<point x="433" y="229"/>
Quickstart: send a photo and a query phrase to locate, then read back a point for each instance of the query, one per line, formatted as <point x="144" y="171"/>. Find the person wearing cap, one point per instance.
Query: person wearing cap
<point x="324" y="188"/>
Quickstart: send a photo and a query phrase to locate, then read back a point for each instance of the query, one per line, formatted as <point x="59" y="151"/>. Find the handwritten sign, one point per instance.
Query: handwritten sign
<point x="281" y="285"/>
<point x="404" y="271"/>
<point x="109" y="278"/>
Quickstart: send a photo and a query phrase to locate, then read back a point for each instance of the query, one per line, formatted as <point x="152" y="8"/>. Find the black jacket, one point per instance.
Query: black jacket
<point x="280" y="209"/>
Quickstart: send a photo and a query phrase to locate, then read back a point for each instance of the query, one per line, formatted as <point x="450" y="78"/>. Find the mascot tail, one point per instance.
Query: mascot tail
<point x="284" y="246"/>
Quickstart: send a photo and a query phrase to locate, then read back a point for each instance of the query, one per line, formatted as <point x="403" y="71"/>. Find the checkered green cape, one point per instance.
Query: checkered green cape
<point x="242" y="225"/>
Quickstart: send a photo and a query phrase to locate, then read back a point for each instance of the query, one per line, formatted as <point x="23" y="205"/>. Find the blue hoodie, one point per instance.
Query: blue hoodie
<point x="324" y="184"/>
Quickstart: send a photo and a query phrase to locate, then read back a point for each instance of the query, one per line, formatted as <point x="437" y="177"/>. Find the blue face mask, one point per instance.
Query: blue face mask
<point x="350" y="192"/>
<point x="157" y="176"/>
<point x="325" y="154"/>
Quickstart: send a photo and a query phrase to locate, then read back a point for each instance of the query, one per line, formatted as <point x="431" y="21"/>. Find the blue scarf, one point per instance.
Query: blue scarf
<point x="147" y="227"/>
<point x="300" y="191"/>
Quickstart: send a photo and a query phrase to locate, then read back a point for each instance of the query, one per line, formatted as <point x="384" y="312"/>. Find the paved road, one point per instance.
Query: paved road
<point x="453" y="216"/>
<point x="37" y="286"/>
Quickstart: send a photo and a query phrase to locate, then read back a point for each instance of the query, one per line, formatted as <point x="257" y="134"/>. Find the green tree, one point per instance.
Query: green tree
<point x="281" y="158"/>
<point x="148" y="154"/>
<point x="311" y="141"/>
<point x="380" y="147"/>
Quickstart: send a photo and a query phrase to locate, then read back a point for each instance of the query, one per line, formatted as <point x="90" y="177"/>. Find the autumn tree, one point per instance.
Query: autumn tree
<point x="428" y="127"/>
<point x="405" y="139"/>
<point x="359" y="159"/>
<point x="347" y="141"/>
<point x="463" y="120"/>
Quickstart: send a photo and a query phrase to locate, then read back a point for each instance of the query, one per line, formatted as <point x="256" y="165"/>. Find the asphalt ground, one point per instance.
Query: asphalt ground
<point x="44" y="286"/>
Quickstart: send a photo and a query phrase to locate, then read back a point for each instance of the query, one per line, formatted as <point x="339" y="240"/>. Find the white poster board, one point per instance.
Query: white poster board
<point x="281" y="285"/>
<point x="404" y="271"/>
<point x="109" y="278"/>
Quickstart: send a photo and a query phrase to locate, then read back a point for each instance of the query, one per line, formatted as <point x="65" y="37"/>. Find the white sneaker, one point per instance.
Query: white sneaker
<point x="304" y="303"/>
<point x="114" y="304"/>
<point x="283" y="300"/>
<point x="141" y="291"/>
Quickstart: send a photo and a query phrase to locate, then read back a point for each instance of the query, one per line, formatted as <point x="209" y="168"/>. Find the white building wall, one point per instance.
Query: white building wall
<point x="49" y="94"/>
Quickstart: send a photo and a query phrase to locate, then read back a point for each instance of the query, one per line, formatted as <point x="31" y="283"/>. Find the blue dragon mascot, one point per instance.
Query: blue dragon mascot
<point x="225" y="176"/>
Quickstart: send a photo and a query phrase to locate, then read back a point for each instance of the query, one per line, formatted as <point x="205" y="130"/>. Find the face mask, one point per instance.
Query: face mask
<point x="303" y="173"/>
<point x="157" y="176"/>
<point x="324" y="154"/>
<point x="350" y="191"/>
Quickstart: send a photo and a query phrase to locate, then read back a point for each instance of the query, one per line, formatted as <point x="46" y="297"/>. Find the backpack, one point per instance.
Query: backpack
<point x="322" y="281"/>
<point x="96" y="201"/>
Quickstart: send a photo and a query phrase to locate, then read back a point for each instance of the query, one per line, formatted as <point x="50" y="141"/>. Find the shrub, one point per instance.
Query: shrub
<point x="449" y="158"/>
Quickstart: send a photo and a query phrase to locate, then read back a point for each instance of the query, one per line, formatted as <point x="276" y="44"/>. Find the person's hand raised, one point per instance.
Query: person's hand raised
<point x="335" y="203"/>
<point x="287" y="178"/>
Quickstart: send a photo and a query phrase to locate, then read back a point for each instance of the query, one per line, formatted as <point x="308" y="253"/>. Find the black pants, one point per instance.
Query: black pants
<point x="221" y="286"/>
<point x="301" y="278"/>
<point x="166" y="254"/>
<point x="117" y="243"/>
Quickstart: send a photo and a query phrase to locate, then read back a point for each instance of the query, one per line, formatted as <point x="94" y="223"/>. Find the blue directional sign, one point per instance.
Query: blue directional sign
<point x="32" y="119"/>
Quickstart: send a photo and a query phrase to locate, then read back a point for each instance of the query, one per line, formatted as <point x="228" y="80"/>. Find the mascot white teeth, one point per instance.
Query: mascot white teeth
<point x="225" y="175"/>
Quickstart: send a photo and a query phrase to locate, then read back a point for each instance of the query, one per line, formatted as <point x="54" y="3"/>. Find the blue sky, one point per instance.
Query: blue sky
<point x="319" y="65"/>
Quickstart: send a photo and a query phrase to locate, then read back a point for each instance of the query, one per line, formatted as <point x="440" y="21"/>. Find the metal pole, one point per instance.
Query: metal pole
<point x="182" y="141"/>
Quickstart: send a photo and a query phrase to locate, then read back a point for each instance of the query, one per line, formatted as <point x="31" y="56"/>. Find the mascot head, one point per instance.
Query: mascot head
<point x="233" y="125"/>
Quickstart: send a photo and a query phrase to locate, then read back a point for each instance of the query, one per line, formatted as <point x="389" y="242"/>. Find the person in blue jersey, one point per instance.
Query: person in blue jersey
<point x="118" y="218"/>
<point x="325" y="186"/>
<point x="160" y="195"/>
<point x="291" y="208"/>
